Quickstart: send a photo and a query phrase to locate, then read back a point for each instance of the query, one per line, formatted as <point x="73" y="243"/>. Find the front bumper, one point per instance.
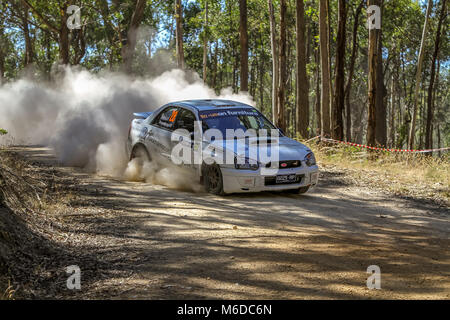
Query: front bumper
<point x="241" y="181"/>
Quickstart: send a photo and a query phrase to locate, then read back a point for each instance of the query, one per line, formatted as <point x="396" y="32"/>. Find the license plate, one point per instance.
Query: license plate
<point x="286" y="178"/>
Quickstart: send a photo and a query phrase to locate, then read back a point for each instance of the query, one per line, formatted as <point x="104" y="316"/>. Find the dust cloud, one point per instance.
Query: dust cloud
<point x="172" y="177"/>
<point x="85" y="117"/>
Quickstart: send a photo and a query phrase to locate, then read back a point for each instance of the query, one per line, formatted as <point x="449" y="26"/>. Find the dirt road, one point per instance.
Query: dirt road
<point x="143" y="241"/>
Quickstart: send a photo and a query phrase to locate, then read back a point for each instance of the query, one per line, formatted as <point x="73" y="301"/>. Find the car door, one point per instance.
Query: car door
<point x="162" y="128"/>
<point x="186" y="122"/>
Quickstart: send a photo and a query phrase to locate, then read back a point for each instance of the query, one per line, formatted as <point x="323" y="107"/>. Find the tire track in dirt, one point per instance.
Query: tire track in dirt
<point x="152" y="242"/>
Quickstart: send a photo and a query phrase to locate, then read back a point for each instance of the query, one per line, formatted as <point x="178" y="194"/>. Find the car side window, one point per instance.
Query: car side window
<point x="166" y="119"/>
<point x="185" y="120"/>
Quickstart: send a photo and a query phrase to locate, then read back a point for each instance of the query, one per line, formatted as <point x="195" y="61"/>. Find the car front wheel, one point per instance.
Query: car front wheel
<point x="213" y="180"/>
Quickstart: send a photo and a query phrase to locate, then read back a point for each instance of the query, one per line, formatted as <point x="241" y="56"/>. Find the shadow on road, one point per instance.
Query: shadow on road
<point x="144" y="241"/>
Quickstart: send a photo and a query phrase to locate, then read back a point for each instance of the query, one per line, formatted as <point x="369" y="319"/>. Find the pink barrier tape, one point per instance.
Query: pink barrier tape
<point x="379" y="149"/>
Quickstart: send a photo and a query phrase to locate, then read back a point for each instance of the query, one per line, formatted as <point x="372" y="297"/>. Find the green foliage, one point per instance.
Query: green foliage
<point x="107" y="23"/>
<point x="3" y="132"/>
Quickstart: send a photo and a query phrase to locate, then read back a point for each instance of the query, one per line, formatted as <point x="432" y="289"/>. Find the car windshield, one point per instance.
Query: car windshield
<point x="235" y="119"/>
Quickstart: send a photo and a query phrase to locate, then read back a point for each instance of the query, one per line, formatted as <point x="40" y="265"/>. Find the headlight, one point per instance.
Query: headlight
<point x="310" y="159"/>
<point x="248" y="165"/>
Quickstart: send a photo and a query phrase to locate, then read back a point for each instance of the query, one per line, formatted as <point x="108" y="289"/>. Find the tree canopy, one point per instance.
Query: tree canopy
<point x="140" y="38"/>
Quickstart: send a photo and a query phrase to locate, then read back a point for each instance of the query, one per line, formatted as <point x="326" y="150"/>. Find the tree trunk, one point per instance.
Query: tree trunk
<point x="128" y="49"/>
<point x="283" y="69"/>
<point x="318" y="95"/>
<point x="380" y="131"/>
<point x="205" y="43"/>
<point x="418" y="76"/>
<point x="235" y="69"/>
<point x="2" y="56"/>
<point x="372" y="81"/>
<point x="244" y="44"/>
<point x="253" y="76"/>
<point x="261" y="73"/>
<point x="79" y="45"/>
<point x="330" y="58"/>
<point x="325" y="68"/>
<point x="64" y="45"/>
<point x="179" y="34"/>
<point x="392" y="122"/>
<point x="339" y="96"/>
<point x="422" y="118"/>
<point x="439" y="138"/>
<point x="435" y="124"/>
<point x="275" y="59"/>
<point x="430" y="111"/>
<point x="348" y="87"/>
<point x="302" y="108"/>
<point x="26" y="32"/>
<point x="216" y="60"/>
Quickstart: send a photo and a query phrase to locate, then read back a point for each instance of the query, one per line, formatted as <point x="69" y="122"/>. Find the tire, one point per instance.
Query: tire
<point x="212" y="179"/>
<point x="140" y="152"/>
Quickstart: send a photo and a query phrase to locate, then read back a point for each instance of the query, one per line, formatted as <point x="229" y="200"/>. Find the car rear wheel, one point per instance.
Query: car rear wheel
<point x="213" y="180"/>
<point x="140" y="153"/>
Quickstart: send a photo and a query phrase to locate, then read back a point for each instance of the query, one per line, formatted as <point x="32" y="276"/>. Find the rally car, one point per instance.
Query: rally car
<point x="203" y="127"/>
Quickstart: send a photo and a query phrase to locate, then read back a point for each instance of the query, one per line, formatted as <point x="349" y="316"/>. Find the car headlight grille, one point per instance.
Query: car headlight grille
<point x="287" y="164"/>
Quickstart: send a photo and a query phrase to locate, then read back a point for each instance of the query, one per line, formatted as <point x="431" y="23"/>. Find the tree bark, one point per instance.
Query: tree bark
<point x="439" y="138"/>
<point x="392" y="114"/>
<point x="79" y="44"/>
<point x="430" y="111"/>
<point x="205" y="43"/>
<point x="339" y="96"/>
<point x="435" y="124"/>
<point x="215" y="62"/>
<point x="381" y="127"/>
<point x="26" y="32"/>
<point x="275" y="60"/>
<point x="318" y="94"/>
<point x="348" y="87"/>
<point x="64" y="45"/>
<point x="302" y="108"/>
<point x="325" y="68"/>
<point x="179" y="34"/>
<point x="330" y="58"/>
<point x="283" y="70"/>
<point x="243" y="33"/>
<point x="2" y="56"/>
<point x="418" y="76"/>
<point x="372" y="81"/>
<point x="261" y="72"/>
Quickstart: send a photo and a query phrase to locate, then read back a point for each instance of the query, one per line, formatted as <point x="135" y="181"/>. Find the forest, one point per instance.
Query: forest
<point x="374" y="72"/>
<point x="94" y="206"/>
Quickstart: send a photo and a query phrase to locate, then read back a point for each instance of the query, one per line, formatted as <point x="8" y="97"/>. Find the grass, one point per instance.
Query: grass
<point x="8" y="293"/>
<point x="416" y="175"/>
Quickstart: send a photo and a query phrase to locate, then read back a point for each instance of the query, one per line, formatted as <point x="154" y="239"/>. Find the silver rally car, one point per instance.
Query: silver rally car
<point x="187" y="124"/>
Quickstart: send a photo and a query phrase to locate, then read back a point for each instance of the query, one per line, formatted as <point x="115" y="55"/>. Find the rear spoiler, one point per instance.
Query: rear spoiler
<point x="142" y="115"/>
